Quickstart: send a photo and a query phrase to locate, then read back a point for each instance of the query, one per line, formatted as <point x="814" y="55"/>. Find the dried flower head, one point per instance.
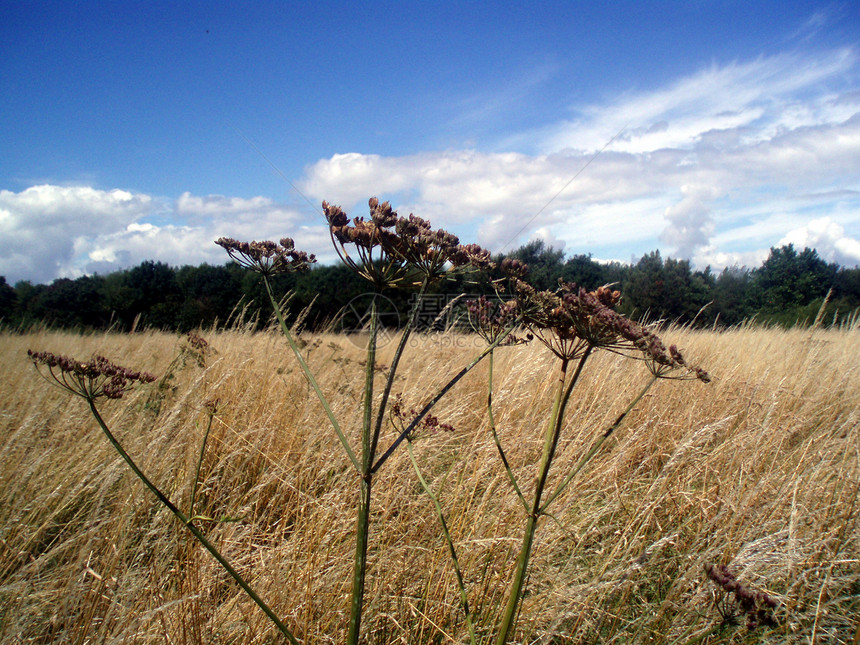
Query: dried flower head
<point x="490" y="319"/>
<point x="90" y="380"/>
<point x="756" y="605"/>
<point x="267" y="258"/>
<point x="390" y="250"/>
<point x="572" y="319"/>
<point x="196" y="342"/>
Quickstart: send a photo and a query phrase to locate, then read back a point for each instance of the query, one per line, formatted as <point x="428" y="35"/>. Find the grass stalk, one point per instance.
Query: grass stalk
<point x="452" y="551"/>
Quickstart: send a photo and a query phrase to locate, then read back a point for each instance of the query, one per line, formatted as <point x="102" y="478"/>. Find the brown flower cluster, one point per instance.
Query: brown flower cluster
<point x="90" y="380"/>
<point x="398" y="251"/>
<point x="757" y="605"/>
<point x="267" y="257"/>
<point x="490" y="319"/>
<point x="571" y="319"/>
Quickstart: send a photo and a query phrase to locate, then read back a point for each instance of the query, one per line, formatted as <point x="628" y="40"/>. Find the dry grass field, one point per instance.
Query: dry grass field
<point x="758" y="470"/>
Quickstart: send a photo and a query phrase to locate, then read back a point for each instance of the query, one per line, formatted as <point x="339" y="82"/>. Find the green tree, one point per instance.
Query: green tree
<point x="669" y="289"/>
<point x="545" y="263"/>
<point x="8" y="298"/>
<point x="209" y="295"/>
<point x="788" y="279"/>
<point x="734" y="299"/>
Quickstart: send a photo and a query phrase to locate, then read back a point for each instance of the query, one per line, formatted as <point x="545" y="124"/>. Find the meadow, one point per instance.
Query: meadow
<point x="758" y="470"/>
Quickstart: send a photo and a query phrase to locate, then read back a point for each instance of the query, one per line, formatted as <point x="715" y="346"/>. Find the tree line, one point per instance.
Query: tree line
<point x="788" y="288"/>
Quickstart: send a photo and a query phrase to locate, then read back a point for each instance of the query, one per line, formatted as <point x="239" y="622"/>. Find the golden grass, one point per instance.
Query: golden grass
<point x="759" y="470"/>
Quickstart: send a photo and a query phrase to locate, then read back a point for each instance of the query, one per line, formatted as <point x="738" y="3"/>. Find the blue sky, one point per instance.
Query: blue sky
<point x="134" y="131"/>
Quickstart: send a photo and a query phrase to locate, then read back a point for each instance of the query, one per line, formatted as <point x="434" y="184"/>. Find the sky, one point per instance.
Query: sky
<point x="710" y="130"/>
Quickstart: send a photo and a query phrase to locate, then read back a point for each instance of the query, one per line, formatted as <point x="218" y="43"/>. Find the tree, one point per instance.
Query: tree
<point x="668" y="289"/>
<point x="545" y="263"/>
<point x="734" y="296"/>
<point x="788" y="279"/>
<point x="8" y="298"/>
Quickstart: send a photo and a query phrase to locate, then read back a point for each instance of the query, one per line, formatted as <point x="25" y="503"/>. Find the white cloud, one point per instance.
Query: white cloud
<point x="828" y="238"/>
<point x="70" y="231"/>
<point x="45" y="224"/>
<point x="690" y="222"/>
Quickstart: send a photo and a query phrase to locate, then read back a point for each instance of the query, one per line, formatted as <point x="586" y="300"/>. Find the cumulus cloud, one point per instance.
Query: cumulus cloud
<point x="828" y="238"/>
<point x="47" y="224"/>
<point x="690" y="222"/>
<point x="70" y="231"/>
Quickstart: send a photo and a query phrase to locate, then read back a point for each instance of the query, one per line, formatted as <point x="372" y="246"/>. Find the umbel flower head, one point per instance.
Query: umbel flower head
<point x="490" y="319"/>
<point x="572" y="319"/>
<point x="91" y="380"/>
<point x="392" y="251"/>
<point x="267" y="258"/>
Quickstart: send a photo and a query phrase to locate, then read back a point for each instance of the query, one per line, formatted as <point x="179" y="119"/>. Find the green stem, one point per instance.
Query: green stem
<point x="190" y="526"/>
<point x="501" y="450"/>
<point x="362" y="528"/>
<point x="606" y="434"/>
<point x="404" y="336"/>
<point x="464" y="601"/>
<point x="310" y="377"/>
<point x="553" y="431"/>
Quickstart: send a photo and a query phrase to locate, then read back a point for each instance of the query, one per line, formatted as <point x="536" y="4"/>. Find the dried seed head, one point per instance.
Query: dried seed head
<point x="266" y="257"/>
<point x="394" y="251"/>
<point x="401" y="419"/>
<point x="514" y="268"/>
<point x="757" y="605"/>
<point x="491" y="319"/>
<point x="571" y="319"/>
<point x="91" y="380"/>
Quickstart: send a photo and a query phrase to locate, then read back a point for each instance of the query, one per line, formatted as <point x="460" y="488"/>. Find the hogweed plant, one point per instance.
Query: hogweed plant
<point x="98" y="379"/>
<point x="390" y="252"/>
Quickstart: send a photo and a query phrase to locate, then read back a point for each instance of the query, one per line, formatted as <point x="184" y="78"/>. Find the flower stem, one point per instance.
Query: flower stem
<point x="191" y="527"/>
<point x="404" y="336"/>
<point x="501" y="450"/>
<point x="553" y="431"/>
<point x="362" y="528"/>
<point x="603" y="437"/>
<point x="454" y="380"/>
<point x="199" y="464"/>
